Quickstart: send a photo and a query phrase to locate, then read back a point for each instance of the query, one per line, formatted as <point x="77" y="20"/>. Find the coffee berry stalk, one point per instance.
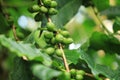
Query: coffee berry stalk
<point x="56" y="39"/>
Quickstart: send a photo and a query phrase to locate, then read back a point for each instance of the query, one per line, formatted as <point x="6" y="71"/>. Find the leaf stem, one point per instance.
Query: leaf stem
<point x="14" y="32"/>
<point x="64" y="58"/>
<point x="61" y="48"/>
<point x="98" y="18"/>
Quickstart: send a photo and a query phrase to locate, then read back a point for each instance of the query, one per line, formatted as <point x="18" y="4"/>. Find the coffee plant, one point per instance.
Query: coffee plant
<point x="59" y="40"/>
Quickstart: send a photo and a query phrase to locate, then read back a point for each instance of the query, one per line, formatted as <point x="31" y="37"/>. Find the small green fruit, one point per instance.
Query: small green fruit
<point x="34" y="8"/>
<point x="38" y="17"/>
<point x="58" y="52"/>
<point x="48" y="35"/>
<point x="43" y="9"/>
<point x="59" y="38"/>
<point x="79" y="77"/>
<point x="80" y="72"/>
<point x="51" y="26"/>
<point x="50" y="50"/>
<point x="52" y="11"/>
<point x="72" y="79"/>
<point x="47" y="3"/>
<point x="53" y="4"/>
<point x="67" y="40"/>
<point x="65" y="33"/>
<point x="67" y="75"/>
<point x="73" y="72"/>
<point x="53" y="41"/>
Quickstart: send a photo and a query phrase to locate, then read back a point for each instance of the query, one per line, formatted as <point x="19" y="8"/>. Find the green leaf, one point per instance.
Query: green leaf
<point x="20" y="70"/>
<point x="97" y="68"/>
<point x="101" y="4"/>
<point x="44" y="73"/>
<point x="102" y="41"/>
<point x="3" y="24"/>
<point x="62" y="3"/>
<point x="117" y="74"/>
<point x="111" y="11"/>
<point x="23" y="49"/>
<point x="116" y="25"/>
<point x="72" y="56"/>
<point x="66" y="12"/>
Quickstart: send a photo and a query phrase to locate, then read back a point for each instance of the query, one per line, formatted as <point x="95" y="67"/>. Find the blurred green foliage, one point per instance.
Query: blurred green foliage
<point x="97" y="55"/>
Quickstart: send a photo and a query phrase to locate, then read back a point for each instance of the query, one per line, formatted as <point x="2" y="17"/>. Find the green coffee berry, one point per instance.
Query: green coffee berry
<point x="48" y="35"/>
<point x="52" y="11"/>
<point x="51" y="26"/>
<point x="38" y="17"/>
<point x="80" y="72"/>
<point x="73" y="72"/>
<point x="43" y="9"/>
<point x="67" y="40"/>
<point x="50" y="50"/>
<point x="47" y="3"/>
<point x="58" y="52"/>
<point x="67" y="75"/>
<point x="53" y="41"/>
<point x="34" y="8"/>
<point x="59" y="38"/>
<point x="65" y="33"/>
<point x="79" y="77"/>
<point x="53" y="4"/>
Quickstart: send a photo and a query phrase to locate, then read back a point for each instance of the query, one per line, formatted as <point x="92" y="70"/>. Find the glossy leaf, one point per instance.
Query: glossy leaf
<point x="102" y="41"/>
<point x="116" y="26"/>
<point x="72" y="56"/>
<point x="43" y="72"/>
<point x="66" y="12"/>
<point x="97" y="68"/>
<point x="20" y="70"/>
<point x="111" y="11"/>
<point x="101" y="4"/>
<point x="22" y="49"/>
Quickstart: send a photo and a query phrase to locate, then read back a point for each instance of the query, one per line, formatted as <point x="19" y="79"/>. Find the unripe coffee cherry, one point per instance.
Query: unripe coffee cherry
<point x="53" y="41"/>
<point x="80" y="72"/>
<point x="48" y="34"/>
<point x="52" y="11"/>
<point x="53" y="4"/>
<point x="59" y="38"/>
<point x="43" y="9"/>
<point x="50" y="50"/>
<point x="38" y="17"/>
<point x="79" y="77"/>
<point x="65" y="33"/>
<point x="67" y="75"/>
<point x="67" y="40"/>
<point x="47" y="3"/>
<point x="73" y="72"/>
<point x="51" y="26"/>
<point x="58" y="52"/>
<point x="34" y="8"/>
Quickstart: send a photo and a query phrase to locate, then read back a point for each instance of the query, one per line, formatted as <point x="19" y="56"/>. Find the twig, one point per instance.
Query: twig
<point x="64" y="59"/>
<point x="97" y="16"/>
<point x="14" y="32"/>
<point x="88" y="74"/>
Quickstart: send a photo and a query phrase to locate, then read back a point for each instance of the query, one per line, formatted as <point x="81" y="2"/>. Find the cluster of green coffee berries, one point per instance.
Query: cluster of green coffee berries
<point x="46" y="7"/>
<point x="54" y="37"/>
<point x="74" y="74"/>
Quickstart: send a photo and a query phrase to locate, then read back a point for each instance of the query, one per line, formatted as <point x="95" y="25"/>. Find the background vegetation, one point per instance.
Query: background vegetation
<point x="93" y="24"/>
